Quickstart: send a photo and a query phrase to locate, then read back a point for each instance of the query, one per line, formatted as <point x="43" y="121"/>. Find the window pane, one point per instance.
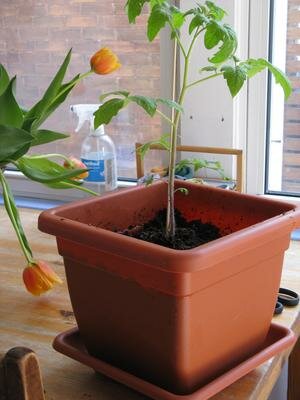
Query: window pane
<point x="283" y="173"/>
<point x="34" y="38"/>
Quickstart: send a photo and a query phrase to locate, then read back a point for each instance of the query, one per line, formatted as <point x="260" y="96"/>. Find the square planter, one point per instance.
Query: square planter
<point x="176" y="318"/>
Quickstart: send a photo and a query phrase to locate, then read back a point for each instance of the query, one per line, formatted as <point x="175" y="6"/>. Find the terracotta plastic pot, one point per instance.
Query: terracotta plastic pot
<point x="175" y="318"/>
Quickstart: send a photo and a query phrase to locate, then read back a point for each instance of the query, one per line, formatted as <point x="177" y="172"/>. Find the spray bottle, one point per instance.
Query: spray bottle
<point x="97" y="151"/>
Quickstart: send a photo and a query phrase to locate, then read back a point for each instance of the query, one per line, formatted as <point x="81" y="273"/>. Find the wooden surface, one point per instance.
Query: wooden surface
<point x="34" y="322"/>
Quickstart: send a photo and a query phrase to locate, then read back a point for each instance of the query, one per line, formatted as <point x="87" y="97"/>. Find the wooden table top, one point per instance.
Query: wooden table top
<point x="34" y="322"/>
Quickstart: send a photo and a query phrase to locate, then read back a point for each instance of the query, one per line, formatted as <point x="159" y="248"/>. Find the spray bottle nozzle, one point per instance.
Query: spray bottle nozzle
<point x="84" y="112"/>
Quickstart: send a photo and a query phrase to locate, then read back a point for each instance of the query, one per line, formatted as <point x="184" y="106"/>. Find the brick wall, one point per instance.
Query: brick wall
<point x="36" y="34"/>
<point x="291" y="140"/>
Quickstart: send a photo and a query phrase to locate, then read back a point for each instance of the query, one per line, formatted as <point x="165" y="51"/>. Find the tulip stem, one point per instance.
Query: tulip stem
<point x="15" y="219"/>
<point x="72" y="84"/>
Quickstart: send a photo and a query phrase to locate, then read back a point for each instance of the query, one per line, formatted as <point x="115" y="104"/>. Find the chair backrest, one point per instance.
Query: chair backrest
<point x="199" y="149"/>
<point x="20" y="377"/>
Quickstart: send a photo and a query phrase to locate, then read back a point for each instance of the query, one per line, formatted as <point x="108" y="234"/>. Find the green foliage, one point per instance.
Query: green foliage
<point x="216" y="33"/>
<point x="9" y="202"/>
<point x="107" y="111"/>
<point x="19" y="128"/>
<point x="206" y="27"/>
<point x="4" y="79"/>
<point x="198" y="164"/>
<point x="134" y="9"/>
<point x="10" y="112"/>
<point x="147" y="103"/>
<point x="111" y="108"/>
<point x="235" y="77"/>
<point x="36" y="113"/>
<point x="252" y="67"/>
<point x="163" y="141"/>
<point x="44" y="136"/>
<point x="182" y="190"/>
<point x="14" y="143"/>
<point x="163" y="13"/>
<point x="45" y="171"/>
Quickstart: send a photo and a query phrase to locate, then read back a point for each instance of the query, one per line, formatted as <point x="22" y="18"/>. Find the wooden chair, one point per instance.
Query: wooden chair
<point x="199" y="149"/>
<point x="20" y="377"/>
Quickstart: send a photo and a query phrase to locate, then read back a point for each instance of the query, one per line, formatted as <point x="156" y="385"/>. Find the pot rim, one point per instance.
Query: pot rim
<point x="53" y="222"/>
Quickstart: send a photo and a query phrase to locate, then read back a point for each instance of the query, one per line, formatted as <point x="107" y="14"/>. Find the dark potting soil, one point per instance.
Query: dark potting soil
<point x="189" y="234"/>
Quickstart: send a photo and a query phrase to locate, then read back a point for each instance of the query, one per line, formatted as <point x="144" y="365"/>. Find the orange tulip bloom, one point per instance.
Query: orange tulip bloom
<point x="104" y="62"/>
<point x="39" y="278"/>
<point x="74" y="163"/>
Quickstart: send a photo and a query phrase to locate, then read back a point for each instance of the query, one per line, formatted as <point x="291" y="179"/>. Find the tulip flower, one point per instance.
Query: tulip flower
<point x="104" y="62"/>
<point x="74" y="163"/>
<point x="38" y="278"/>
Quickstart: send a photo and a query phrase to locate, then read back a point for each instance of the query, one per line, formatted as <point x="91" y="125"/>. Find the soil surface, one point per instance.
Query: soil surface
<point x="189" y="234"/>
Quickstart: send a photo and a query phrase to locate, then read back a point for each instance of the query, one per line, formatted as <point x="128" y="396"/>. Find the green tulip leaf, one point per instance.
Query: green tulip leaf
<point x="56" y="102"/>
<point x="43" y="136"/>
<point x="64" y="184"/>
<point x="15" y="142"/>
<point x="45" y="171"/>
<point x="10" y="205"/>
<point x="4" y="79"/>
<point x="41" y="107"/>
<point x="10" y="112"/>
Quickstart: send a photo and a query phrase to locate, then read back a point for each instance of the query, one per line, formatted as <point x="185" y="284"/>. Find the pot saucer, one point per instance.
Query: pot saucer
<point x="70" y="344"/>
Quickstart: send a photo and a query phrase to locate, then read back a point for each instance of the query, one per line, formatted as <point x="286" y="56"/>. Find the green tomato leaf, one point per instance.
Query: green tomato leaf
<point x="15" y="142"/>
<point x="160" y="15"/>
<point x="184" y="191"/>
<point x="228" y="47"/>
<point x="123" y="93"/>
<point x="134" y="9"/>
<point x="253" y="67"/>
<point x="235" y="77"/>
<point x="4" y="79"/>
<point x="107" y="111"/>
<point x="147" y="103"/>
<point x="177" y="18"/>
<point x="215" y="12"/>
<point x="43" y="136"/>
<point x="213" y="35"/>
<point x="45" y="171"/>
<point x="163" y="141"/>
<point x="10" y="112"/>
<point x="198" y="21"/>
<point x="171" y="104"/>
<point x="209" y="68"/>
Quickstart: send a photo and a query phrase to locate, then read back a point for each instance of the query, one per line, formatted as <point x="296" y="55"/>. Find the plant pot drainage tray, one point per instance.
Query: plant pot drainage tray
<point x="70" y="344"/>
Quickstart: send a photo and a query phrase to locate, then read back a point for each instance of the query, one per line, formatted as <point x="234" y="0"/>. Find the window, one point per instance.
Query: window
<point x="35" y="37"/>
<point x="283" y="142"/>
